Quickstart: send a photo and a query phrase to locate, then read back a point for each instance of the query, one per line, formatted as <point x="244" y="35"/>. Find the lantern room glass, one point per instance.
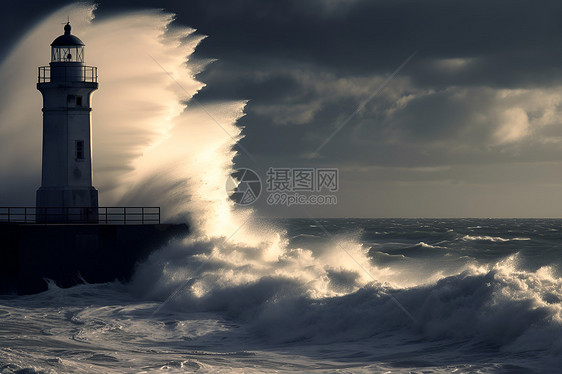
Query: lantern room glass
<point x="74" y="53"/>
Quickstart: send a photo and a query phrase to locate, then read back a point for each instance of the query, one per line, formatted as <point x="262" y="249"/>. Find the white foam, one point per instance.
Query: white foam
<point x="492" y="238"/>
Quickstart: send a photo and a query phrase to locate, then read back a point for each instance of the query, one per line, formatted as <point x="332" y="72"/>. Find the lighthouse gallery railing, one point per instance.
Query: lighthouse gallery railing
<point x="68" y="74"/>
<point x="105" y="215"/>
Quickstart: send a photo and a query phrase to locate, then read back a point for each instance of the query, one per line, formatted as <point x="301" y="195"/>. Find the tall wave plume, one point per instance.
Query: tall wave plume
<point x="152" y="145"/>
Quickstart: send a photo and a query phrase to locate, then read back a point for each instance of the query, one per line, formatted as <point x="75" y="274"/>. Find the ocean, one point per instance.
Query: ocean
<point x="306" y="295"/>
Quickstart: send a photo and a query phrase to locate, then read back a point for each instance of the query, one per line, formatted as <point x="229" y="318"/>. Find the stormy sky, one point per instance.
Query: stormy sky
<point x="430" y="108"/>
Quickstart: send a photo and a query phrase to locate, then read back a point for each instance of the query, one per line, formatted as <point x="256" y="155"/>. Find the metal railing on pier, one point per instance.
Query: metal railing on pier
<point x="101" y="215"/>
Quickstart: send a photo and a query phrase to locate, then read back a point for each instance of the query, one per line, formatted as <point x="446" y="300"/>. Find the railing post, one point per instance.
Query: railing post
<point x="124" y="216"/>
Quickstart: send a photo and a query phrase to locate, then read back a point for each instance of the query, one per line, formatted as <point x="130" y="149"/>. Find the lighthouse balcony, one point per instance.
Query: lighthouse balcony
<point x="68" y="73"/>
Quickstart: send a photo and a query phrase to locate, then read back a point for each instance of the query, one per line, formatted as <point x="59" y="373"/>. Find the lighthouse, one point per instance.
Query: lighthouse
<point x="66" y="193"/>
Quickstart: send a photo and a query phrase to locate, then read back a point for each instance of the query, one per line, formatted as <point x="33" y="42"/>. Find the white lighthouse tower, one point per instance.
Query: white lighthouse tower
<point x="66" y="193"/>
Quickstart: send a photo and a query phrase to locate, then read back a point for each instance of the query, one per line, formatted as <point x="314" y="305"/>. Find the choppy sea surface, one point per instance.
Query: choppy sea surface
<point x="331" y="295"/>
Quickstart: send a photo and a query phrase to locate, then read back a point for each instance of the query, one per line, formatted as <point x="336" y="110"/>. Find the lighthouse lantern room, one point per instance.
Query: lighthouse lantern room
<point x="66" y="193"/>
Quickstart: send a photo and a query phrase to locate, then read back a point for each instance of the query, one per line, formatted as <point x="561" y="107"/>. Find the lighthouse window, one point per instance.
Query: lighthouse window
<point x="73" y="100"/>
<point x="79" y="149"/>
<point x="67" y="54"/>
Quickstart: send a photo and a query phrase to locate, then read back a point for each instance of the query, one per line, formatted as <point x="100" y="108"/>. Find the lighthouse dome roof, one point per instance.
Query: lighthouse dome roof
<point x="66" y="39"/>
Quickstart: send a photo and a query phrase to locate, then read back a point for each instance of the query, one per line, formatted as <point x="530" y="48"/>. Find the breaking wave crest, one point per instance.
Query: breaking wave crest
<point x="491" y="238"/>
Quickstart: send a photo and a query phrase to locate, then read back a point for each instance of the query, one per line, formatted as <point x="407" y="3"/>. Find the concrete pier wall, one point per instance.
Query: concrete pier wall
<point x="68" y="253"/>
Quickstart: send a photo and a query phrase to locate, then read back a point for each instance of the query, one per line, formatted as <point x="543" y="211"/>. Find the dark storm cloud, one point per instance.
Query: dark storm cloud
<point x="509" y="39"/>
<point x="476" y="44"/>
<point x="366" y="37"/>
